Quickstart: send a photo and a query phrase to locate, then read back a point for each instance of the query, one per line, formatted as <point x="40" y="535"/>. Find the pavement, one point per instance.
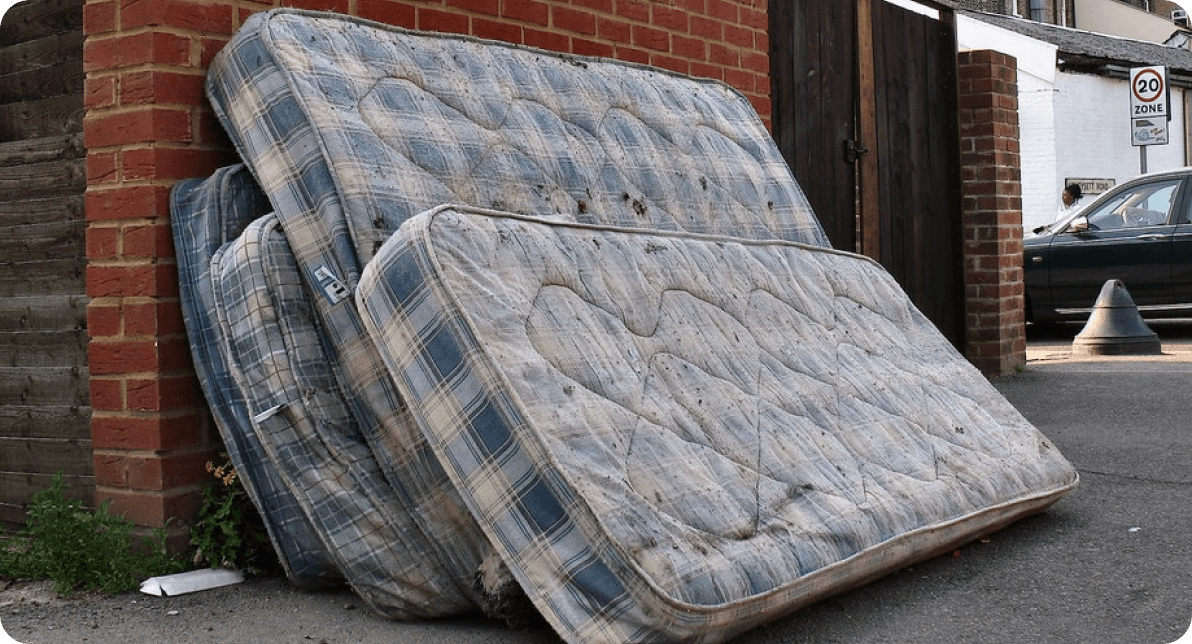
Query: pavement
<point x="1110" y="563"/>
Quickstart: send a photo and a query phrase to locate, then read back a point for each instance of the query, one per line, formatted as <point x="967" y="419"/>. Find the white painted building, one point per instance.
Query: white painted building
<point x="1074" y="104"/>
<point x="1121" y="19"/>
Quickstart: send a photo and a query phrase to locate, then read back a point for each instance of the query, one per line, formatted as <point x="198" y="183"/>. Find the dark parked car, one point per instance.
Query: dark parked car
<point x="1138" y="232"/>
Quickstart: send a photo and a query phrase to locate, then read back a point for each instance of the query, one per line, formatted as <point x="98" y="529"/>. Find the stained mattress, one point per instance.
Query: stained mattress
<point x="358" y="126"/>
<point x="351" y="128"/>
<point x="673" y="436"/>
<point x="206" y="215"/>
<point x="307" y="433"/>
<point x="573" y="320"/>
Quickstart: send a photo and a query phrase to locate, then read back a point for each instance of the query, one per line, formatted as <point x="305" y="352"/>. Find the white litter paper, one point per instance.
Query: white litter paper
<point x="189" y="582"/>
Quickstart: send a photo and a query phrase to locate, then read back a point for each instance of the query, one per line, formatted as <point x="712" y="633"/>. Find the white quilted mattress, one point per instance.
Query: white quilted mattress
<point x="679" y="436"/>
<point x="653" y="394"/>
<point x="351" y="127"/>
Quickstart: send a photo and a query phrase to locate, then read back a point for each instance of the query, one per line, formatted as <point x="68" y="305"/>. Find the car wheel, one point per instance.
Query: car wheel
<point x="1038" y="319"/>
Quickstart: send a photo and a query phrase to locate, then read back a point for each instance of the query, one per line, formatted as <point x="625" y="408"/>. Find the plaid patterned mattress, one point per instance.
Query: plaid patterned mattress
<point x="673" y="414"/>
<point x="359" y="127"/>
<point x="205" y="215"/>
<point x="328" y="114"/>
<point x="673" y="437"/>
<point x="302" y="421"/>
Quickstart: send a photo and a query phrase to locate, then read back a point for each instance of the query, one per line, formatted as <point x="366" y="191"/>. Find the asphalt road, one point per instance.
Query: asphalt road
<point x="1110" y="563"/>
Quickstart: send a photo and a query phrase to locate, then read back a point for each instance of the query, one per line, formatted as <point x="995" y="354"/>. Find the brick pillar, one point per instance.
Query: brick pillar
<point x="992" y="210"/>
<point x="148" y="124"/>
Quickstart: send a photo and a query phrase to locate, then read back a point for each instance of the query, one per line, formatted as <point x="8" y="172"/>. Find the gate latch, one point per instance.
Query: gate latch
<point x="853" y="150"/>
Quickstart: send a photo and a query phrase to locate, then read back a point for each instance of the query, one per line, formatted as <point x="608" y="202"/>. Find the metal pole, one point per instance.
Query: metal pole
<point x="1142" y="159"/>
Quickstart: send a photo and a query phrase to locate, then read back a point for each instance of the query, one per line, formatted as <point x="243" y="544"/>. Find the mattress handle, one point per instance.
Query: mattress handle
<point x="268" y="413"/>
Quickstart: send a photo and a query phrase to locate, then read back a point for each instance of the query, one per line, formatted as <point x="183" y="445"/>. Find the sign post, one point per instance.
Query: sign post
<point x="1149" y="108"/>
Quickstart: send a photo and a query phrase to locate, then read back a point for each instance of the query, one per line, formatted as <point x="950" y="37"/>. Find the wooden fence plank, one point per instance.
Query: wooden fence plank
<point x="45" y="455"/>
<point x="51" y="386"/>
<point x="58" y="313"/>
<point x="41" y="52"/>
<point x="17" y="490"/>
<point x="42" y="242"/>
<point x="45" y="117"/>
<point x="869" y="165"/>
<point x="44" y="349"/>
<point x="45" y="421"/>
<point x="43" y="179"/>
<point x="57" y="277"/>
<point x="42" y="150"/>
<point x="35" y="19"/>
<point x="65" y="77"/>
<point x="22" y="212"/>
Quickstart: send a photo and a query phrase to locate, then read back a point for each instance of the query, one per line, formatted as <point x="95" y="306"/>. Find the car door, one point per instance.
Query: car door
<point x="1129" y="238"/>
<point x="1181" y="255"/>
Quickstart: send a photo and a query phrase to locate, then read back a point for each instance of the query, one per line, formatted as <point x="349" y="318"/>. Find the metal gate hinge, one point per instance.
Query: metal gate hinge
<point x="853" y="150"/>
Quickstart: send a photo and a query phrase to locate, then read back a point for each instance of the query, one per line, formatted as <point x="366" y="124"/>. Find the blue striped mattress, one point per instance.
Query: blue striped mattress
<point x="205" y="215"/>
<point x="351" y="128"/>
<point x="585" y="323"/>
<point x="304" y="425"/>
<point x="672" y="436"/>
<point x="356" y="127"/>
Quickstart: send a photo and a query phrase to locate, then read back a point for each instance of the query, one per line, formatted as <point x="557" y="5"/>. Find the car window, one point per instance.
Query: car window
<point x="1149" y="204"/>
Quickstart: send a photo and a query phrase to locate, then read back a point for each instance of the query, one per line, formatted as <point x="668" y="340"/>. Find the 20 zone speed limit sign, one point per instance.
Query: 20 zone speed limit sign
<point x="1148" y="92"/>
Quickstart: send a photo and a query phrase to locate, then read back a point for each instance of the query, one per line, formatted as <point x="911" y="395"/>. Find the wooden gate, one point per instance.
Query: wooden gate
<point x="44" y="398"/>
<point x="864" y="110"/>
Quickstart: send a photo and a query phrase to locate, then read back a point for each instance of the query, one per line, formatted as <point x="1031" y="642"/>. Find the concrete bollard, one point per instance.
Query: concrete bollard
<point x="1115" y="326"/>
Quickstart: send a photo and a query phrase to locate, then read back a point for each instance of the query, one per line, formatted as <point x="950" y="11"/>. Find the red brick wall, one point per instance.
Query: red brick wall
<point x="148" y="125"/>
<point x="992" y="210"/>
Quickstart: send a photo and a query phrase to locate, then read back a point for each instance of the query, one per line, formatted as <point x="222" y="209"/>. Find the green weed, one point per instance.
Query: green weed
<point x="80" y="548"/>
<point x="228" y="531"/>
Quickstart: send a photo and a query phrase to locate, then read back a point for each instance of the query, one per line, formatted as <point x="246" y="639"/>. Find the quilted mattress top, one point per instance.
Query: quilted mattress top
<point x="646" y="381"/>
<point x="722" y="416"/>
<point x="371" y="125"/>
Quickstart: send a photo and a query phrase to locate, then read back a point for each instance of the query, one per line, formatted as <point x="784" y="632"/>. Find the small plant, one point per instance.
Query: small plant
<point x="80" y="548"/>
<point x="229" y="532"/>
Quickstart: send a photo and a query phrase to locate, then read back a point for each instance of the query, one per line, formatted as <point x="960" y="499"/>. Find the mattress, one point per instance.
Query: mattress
<point x="672" y="436"/>
<point x="206" y="214"/>
<point x="584" y="321"/>
<point x="351" y="128"/>
<point x="280" y="362"/>
<point x="360" y="126"/>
